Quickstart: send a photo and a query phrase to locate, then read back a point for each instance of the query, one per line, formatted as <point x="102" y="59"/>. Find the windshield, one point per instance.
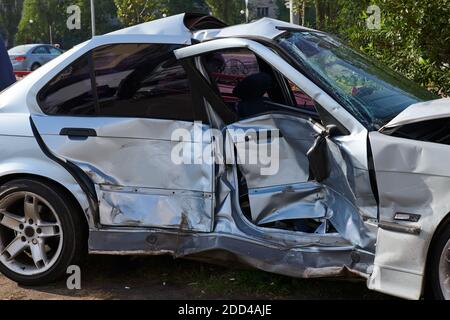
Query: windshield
<point x="374" y="94"/>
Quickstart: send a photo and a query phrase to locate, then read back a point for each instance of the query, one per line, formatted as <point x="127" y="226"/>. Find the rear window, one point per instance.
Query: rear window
<point x="142" y="80"/>
<point x="130" y="80"/>
<point x="70" y="93"/>
<point x="19" y="50"/>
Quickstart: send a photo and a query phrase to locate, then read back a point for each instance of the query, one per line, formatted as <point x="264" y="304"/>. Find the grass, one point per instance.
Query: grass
<point x="210" y="281"/>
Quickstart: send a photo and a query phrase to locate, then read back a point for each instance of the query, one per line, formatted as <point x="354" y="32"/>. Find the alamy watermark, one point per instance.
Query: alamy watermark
<point x="74" y="19"/>
<point x="74" y="280"/>
<point x="249" y="146"/>
<point x="373" y="20"/>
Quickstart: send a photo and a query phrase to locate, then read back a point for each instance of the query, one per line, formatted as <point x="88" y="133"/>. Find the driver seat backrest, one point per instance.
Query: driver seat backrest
<point x="251" y="91"/>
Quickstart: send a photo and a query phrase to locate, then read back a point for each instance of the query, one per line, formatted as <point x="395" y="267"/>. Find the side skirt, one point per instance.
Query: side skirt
<point x="300" y="262"/>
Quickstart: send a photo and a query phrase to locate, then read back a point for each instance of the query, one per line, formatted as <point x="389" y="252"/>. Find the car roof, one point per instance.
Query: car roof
<point x="175" y="26"/>
<point x="27" y="47"/>
<point x="31" y="45"/>
<point x="265" y="27"/>
<point x="24" y="47"/>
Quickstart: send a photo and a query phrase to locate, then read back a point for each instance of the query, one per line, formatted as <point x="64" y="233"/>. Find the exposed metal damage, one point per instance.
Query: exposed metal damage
<point x="138" y="207"/>
<point x="292" y="193"/>
<point x="246" y="241"/>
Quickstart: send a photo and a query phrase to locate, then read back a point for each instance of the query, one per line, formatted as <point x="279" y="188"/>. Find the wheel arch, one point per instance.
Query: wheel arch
<point x="437" y="232"/>
<point x="74" y="247"/>
<point x="35" y="63"/>
<point x="68" y="191"/>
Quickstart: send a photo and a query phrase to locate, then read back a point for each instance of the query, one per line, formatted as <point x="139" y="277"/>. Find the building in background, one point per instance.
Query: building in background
<point x="264" y="8"/>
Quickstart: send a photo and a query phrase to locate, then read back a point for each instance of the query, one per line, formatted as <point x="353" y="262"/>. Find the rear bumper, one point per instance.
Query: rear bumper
<point x="20" y="66"/>
<point x="21" y="73"/>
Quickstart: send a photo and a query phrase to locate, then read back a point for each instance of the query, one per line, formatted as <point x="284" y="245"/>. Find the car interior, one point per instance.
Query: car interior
<point x="251" y="87"/>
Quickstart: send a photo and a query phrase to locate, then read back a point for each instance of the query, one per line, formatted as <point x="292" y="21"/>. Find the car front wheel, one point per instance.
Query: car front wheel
<point x="41" y="232"/>
<point x="440" y="266"/>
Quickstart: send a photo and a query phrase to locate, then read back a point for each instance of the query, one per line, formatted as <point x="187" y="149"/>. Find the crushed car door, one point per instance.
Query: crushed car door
<point x="121" y="113"/>
<point x="310" y="175"/>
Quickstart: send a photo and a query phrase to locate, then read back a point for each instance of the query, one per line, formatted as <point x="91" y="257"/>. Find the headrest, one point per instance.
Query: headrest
<point x="253" y="86"/>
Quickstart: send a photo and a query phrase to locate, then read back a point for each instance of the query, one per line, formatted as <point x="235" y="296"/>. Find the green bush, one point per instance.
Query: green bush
<point x="414" y="37"/>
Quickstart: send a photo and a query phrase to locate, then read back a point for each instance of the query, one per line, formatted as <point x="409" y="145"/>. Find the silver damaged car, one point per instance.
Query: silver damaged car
<point x="265" y="144"/>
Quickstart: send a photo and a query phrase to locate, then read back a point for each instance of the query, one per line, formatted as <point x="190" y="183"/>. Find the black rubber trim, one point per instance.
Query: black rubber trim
<point x="373" y="176"/>
<point x="392" y="226"/>
<point x="93" y="81"/>
<point x="79" y="175"/>
<point x="199" y="108"/>
<point x="299" y="28"/>
<point x="202" y="86"/>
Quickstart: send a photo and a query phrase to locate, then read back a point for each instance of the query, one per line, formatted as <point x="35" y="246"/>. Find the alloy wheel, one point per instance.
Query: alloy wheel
<point x="444" y="271"/>
<point x="31" y="236"/>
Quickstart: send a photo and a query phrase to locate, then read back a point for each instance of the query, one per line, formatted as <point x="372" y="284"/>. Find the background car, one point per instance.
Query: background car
<point x="30" y="57"/>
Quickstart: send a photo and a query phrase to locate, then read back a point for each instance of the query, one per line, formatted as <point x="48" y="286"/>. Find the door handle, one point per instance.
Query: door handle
<point x="78" y="132"/>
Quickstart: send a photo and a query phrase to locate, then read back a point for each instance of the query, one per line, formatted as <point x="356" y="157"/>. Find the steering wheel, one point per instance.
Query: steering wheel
<point x="235" y="66"/>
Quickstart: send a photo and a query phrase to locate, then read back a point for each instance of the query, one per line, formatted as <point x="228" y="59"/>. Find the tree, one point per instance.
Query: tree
<point x="413" y="37"/>
<point x="181" y="6"/>
<point x="303" y="12"/>
<point x="319" y="13"/>
<point x="229" y="11"/>
<point x="132" y="12"/>
<point x="283" y="11"/>
<point x="105" y="16"/>
<point x="307" y="12"/>
<point x="37" y="18"/>
<point x="42" y="17"/>
<point x="10" y="13"/>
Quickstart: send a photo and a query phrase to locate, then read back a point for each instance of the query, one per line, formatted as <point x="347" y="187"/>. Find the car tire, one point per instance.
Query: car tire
<point x="35" y="66"/>
<point x="439" y="267"/>
<point x="55" y="240"/>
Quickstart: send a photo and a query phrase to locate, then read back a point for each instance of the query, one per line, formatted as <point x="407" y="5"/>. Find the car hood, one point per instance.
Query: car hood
<point x="418" y="112"/>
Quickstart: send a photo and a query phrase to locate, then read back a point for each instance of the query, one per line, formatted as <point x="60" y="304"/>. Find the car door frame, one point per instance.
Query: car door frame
<point x="355" y="143"/>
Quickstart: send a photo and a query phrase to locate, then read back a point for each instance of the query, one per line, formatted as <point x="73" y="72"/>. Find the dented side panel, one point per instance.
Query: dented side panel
<point x="294" y="137"/>
<point x="145" y="207"/>
<point x="413" y="178"/>
<point x="130" y="162"/>
<point x="291" y="193"/>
